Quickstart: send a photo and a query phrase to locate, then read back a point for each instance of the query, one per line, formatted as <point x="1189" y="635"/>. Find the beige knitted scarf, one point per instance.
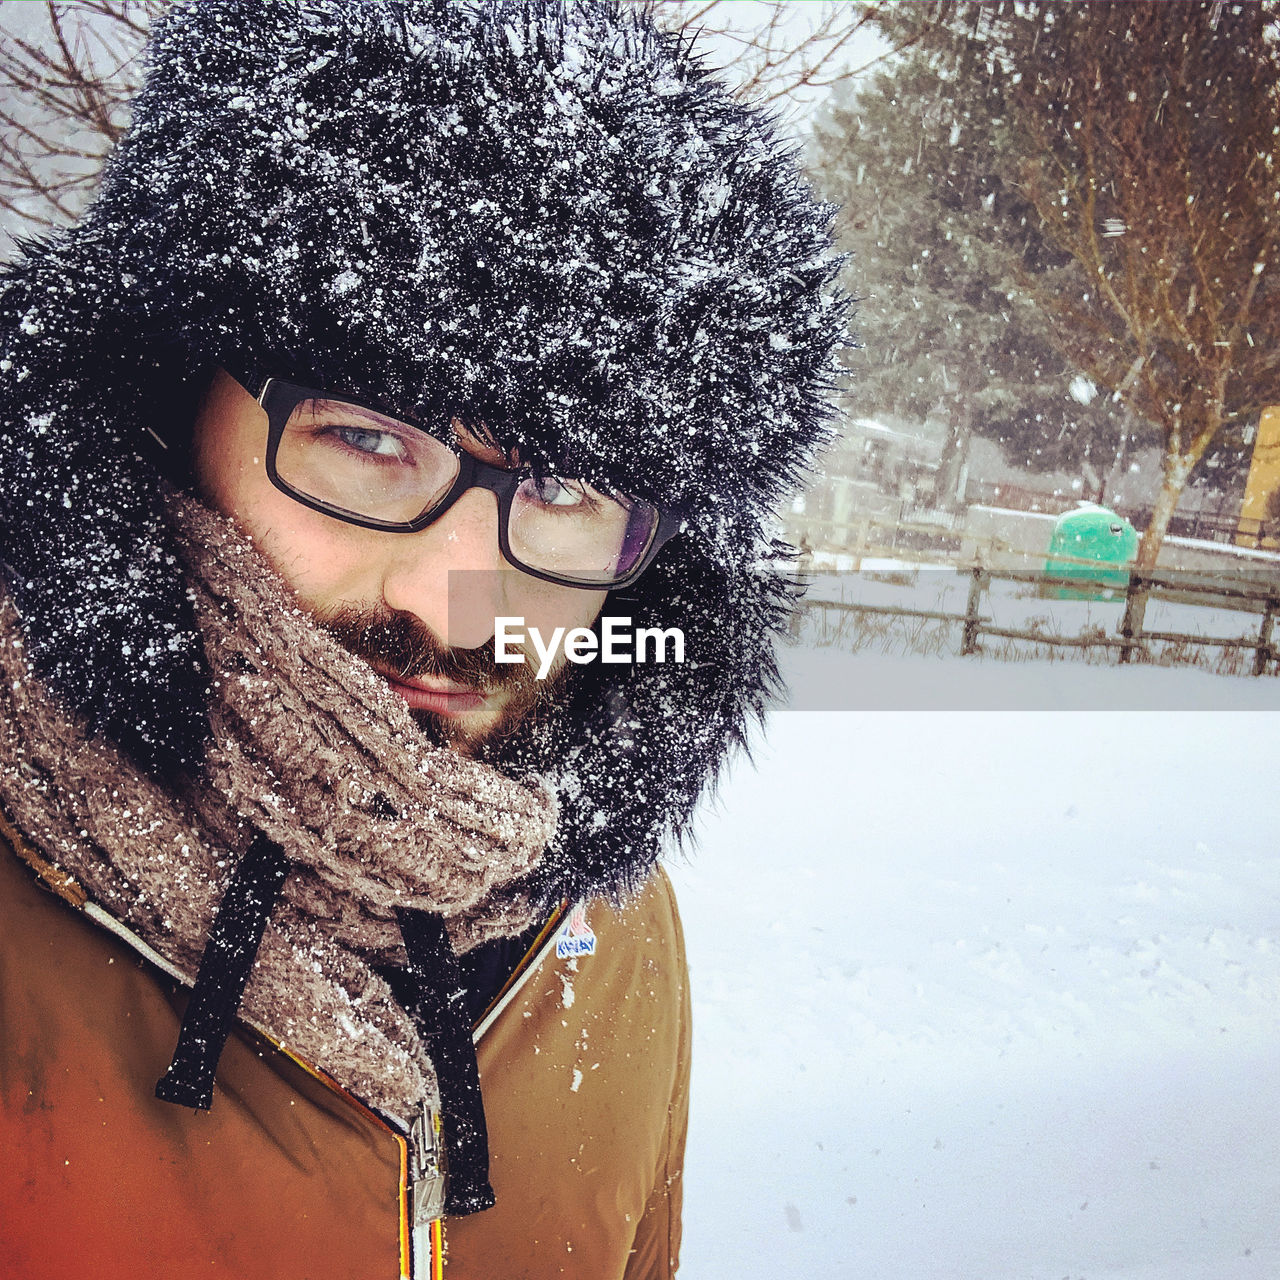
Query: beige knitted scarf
<point x="312" y="749"/>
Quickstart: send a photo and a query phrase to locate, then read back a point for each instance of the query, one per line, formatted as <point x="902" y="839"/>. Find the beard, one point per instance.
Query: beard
<point x="398" y="642"/>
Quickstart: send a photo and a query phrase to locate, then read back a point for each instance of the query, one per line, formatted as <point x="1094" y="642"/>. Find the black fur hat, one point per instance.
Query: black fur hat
<point x="544" y="218"/>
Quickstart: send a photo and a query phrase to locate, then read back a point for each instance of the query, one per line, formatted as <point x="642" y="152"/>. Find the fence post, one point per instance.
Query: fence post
<point x="861" y="539"/>
<point x="1262" y="655"/>
<point x="1135" y="607"/>
<point x="969" y="640"/>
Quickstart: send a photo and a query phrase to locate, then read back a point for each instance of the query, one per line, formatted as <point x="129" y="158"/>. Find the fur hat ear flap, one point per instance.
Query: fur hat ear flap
<point x="84" y="549"/>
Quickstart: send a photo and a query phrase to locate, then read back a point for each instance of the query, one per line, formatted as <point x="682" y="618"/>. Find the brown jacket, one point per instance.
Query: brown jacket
<point x="585" y="1078"/>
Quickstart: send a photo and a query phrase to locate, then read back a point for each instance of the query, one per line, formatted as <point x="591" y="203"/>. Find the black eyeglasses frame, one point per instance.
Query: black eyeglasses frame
<point x="279" y="397"/>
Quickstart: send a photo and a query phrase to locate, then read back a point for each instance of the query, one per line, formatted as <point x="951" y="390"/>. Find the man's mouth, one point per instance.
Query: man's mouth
<point x="435" y="693"/>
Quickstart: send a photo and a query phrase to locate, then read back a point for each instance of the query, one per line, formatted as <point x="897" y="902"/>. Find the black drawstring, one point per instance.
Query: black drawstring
<point x="441" y="1013"/>
<point x="228" y="957"/>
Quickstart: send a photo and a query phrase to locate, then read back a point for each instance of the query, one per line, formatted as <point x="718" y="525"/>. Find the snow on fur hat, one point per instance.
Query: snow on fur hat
<point x="544" y="218"/>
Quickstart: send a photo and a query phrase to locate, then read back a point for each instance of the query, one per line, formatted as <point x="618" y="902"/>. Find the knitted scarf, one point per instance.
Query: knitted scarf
<point x="311" y="749"/>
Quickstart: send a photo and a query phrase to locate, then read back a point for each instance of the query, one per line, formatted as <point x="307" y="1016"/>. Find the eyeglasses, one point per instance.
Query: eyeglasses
<point x="357" y="464"/>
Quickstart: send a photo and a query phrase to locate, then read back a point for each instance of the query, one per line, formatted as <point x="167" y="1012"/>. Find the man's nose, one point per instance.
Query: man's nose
<point x="451" y="575"/>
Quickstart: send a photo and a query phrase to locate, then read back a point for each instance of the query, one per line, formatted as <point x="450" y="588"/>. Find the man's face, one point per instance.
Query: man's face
<point x="387" y="596"/>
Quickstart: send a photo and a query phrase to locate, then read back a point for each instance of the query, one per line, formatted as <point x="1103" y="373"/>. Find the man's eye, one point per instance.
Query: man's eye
<point x="379" y="444"/>
<point x="559" y="493"/>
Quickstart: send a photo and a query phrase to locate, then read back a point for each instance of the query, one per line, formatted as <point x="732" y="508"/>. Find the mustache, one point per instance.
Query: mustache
<point x="400" y="643"/>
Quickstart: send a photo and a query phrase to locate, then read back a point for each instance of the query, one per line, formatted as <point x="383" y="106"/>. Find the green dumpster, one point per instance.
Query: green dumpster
<point x="1093" y="546"/>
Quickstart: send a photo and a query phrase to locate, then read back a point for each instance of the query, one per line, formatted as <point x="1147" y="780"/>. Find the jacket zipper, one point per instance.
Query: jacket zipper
<point x="422" y="1192"/>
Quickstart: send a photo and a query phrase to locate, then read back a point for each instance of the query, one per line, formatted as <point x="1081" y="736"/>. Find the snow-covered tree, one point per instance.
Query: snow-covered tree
<point x="1148" y="135"/>
<point x="942" y="243"/>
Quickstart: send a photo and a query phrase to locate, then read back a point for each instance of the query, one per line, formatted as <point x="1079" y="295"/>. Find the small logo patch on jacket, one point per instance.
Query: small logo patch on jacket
<point x="576" y="937"/>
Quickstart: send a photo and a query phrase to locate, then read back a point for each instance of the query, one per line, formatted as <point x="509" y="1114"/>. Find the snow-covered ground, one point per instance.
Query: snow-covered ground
<point x="990" y="995"/>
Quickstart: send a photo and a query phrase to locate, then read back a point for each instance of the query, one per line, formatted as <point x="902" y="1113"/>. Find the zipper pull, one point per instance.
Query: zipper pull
<point x="426" y="1175"/>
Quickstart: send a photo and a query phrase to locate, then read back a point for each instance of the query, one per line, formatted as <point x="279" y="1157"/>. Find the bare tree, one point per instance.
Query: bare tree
<point x="1151" y="161"/>
<point x="795" y="47"/>
<point x="779" y="52"/>
<point x="67" y="73"/>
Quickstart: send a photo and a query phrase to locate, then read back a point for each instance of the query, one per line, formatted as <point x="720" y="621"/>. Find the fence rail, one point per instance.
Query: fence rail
<point x="1140" y="588"/>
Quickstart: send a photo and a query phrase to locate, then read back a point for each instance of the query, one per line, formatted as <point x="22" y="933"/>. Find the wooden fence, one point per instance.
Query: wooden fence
<point x="1131" y="641"/>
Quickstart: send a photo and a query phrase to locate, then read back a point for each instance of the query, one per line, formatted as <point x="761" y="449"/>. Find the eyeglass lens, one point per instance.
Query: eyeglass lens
<point x="360" y="463"/>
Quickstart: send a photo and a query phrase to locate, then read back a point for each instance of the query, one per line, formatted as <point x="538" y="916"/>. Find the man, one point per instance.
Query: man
<point x="395" y="325"/>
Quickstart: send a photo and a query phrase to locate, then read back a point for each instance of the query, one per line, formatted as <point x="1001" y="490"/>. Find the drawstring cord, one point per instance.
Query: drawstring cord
<point x="441" y="1013"/>
<point x="224" y="970"/>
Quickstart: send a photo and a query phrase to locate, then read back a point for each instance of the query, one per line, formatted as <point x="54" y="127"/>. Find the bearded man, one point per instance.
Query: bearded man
<point x="393" y="322"/>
